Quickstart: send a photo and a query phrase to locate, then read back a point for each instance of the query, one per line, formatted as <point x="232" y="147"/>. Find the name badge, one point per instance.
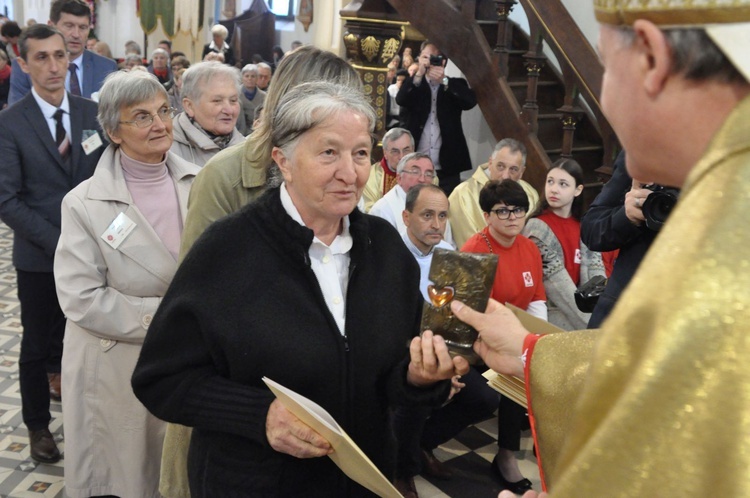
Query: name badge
<point x="91" y="143"/>
<point x="118" y="230"/>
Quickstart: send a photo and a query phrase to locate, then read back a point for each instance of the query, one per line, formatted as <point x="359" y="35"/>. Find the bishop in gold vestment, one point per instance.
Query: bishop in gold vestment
<point x="666" y="404"/>
<point x="657" y="403"/>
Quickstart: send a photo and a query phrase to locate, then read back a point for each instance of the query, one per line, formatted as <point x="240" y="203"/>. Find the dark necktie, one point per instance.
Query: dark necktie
<point x="61" y="137"/>
<point x="75" y="86"/>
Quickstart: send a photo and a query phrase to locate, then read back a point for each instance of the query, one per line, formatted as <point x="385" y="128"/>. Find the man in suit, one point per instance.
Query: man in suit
<point x="431" y="105"/>
<point x="49" y="142"/>
<point x="86" y="70"/>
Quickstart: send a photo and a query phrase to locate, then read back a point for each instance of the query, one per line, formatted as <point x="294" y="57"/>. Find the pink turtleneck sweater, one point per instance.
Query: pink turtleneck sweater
<point x="154" y="194"/>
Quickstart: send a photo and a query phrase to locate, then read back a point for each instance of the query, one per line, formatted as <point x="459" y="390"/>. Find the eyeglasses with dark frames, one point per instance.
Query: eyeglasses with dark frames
<point x="504" y="213"/>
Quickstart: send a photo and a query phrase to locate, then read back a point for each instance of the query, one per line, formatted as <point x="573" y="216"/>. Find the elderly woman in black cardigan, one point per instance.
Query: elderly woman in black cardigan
<point x="300" y="287"/>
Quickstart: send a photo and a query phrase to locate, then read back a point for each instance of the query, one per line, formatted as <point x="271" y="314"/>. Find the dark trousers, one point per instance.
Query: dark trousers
<point x="511" y="420"/>
<point x="417" y="428"/>
<point x="43" y="328"/>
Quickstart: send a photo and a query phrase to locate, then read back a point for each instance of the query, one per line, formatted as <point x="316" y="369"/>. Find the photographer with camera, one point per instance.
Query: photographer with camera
<point x="616" y="220"/>
<point x="431" y="106"/>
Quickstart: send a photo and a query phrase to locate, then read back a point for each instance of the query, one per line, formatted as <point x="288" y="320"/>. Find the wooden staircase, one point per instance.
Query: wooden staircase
<point x="553" y="109"/>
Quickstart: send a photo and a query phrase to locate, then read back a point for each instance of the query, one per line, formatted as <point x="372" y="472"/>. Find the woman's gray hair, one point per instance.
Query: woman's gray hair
<point x="250" y="68"/>
<point x="160" y="51"/>
<point x="307" y="63"/>
<point x="219" y="30"/>
<point x="310" y="104"/>
<point x="198" y="77"/>
<point x="125" y="89"/>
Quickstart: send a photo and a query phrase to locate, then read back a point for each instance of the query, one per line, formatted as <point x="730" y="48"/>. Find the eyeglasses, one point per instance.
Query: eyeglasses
<point x="146" y="120"/>
<point x="504" y="213"/>
<point x="429" y="175"/>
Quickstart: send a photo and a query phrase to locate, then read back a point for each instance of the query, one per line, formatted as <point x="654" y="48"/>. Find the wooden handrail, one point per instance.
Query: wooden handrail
<point x="580" y="64"/>
<point x="570" y="46"/>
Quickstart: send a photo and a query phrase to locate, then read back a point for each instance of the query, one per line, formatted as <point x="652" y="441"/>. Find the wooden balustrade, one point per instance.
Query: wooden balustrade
<point x="554" y="111"/>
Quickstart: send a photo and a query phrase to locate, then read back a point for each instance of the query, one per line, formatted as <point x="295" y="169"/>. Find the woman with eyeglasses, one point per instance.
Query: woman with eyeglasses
<point x="118" y="249"/>
<point x="518" y="281"/>
<point x="556" y="230"/>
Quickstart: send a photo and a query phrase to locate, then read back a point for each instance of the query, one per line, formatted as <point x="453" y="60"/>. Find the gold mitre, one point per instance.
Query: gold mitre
<point x="673" y="13"/>
<point x="727" y="22"/>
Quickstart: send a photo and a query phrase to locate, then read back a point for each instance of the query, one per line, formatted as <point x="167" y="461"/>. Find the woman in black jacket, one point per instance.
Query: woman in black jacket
<point x="300" y="287"/>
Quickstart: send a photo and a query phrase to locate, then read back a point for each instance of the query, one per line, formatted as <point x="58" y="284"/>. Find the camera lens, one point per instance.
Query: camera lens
<point x="658" y="205"/>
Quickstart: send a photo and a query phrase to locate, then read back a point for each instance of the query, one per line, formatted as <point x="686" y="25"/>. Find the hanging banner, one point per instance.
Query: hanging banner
<point x="189" y="17"/>
<point x="150" y="11"/>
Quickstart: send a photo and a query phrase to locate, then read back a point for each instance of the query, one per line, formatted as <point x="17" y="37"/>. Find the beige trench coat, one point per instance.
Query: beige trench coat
<point x="112" y="443"/>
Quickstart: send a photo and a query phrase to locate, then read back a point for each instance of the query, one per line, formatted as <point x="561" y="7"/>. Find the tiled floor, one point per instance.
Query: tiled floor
<point x="469" y="454"/>
<point x="20" y="476"/>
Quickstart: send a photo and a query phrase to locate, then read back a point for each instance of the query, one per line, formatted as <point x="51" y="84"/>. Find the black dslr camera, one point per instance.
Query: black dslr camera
<point x="658" y="205"/>
<point x="436" y="60"/>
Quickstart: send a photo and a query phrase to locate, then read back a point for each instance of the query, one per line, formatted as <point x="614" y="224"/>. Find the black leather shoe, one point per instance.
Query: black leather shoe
<point x="433" y="467"/>
<point x="406" y="487"/>
<point x="518" y="487"/>
<point x="43" y="447"/>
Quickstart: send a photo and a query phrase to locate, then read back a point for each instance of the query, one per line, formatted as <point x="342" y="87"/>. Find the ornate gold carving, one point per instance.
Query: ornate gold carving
<point x="381" y="78"/>
<point x="379" y="102"/>
<point x="389" y="49"/>
<point x="533" y="69"/>
<point x="381" y="89"/>
<point x="367" y="89"/>
<point x="368" y="78"/>
<point x="350" y="42"/>
<point x="569" y="122"/>
<point x="350" y="39"/>
<point x="370" y="47"/>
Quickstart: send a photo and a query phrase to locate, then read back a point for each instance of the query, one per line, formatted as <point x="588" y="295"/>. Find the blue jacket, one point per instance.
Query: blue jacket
<point x="95" y="69"/>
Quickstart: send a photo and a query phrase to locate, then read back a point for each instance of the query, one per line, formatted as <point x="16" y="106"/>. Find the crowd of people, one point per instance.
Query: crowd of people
<point x="184" y="229"/>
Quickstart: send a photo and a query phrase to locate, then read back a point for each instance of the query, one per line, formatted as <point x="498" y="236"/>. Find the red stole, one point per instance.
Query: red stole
<point x="389" y="177"/>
